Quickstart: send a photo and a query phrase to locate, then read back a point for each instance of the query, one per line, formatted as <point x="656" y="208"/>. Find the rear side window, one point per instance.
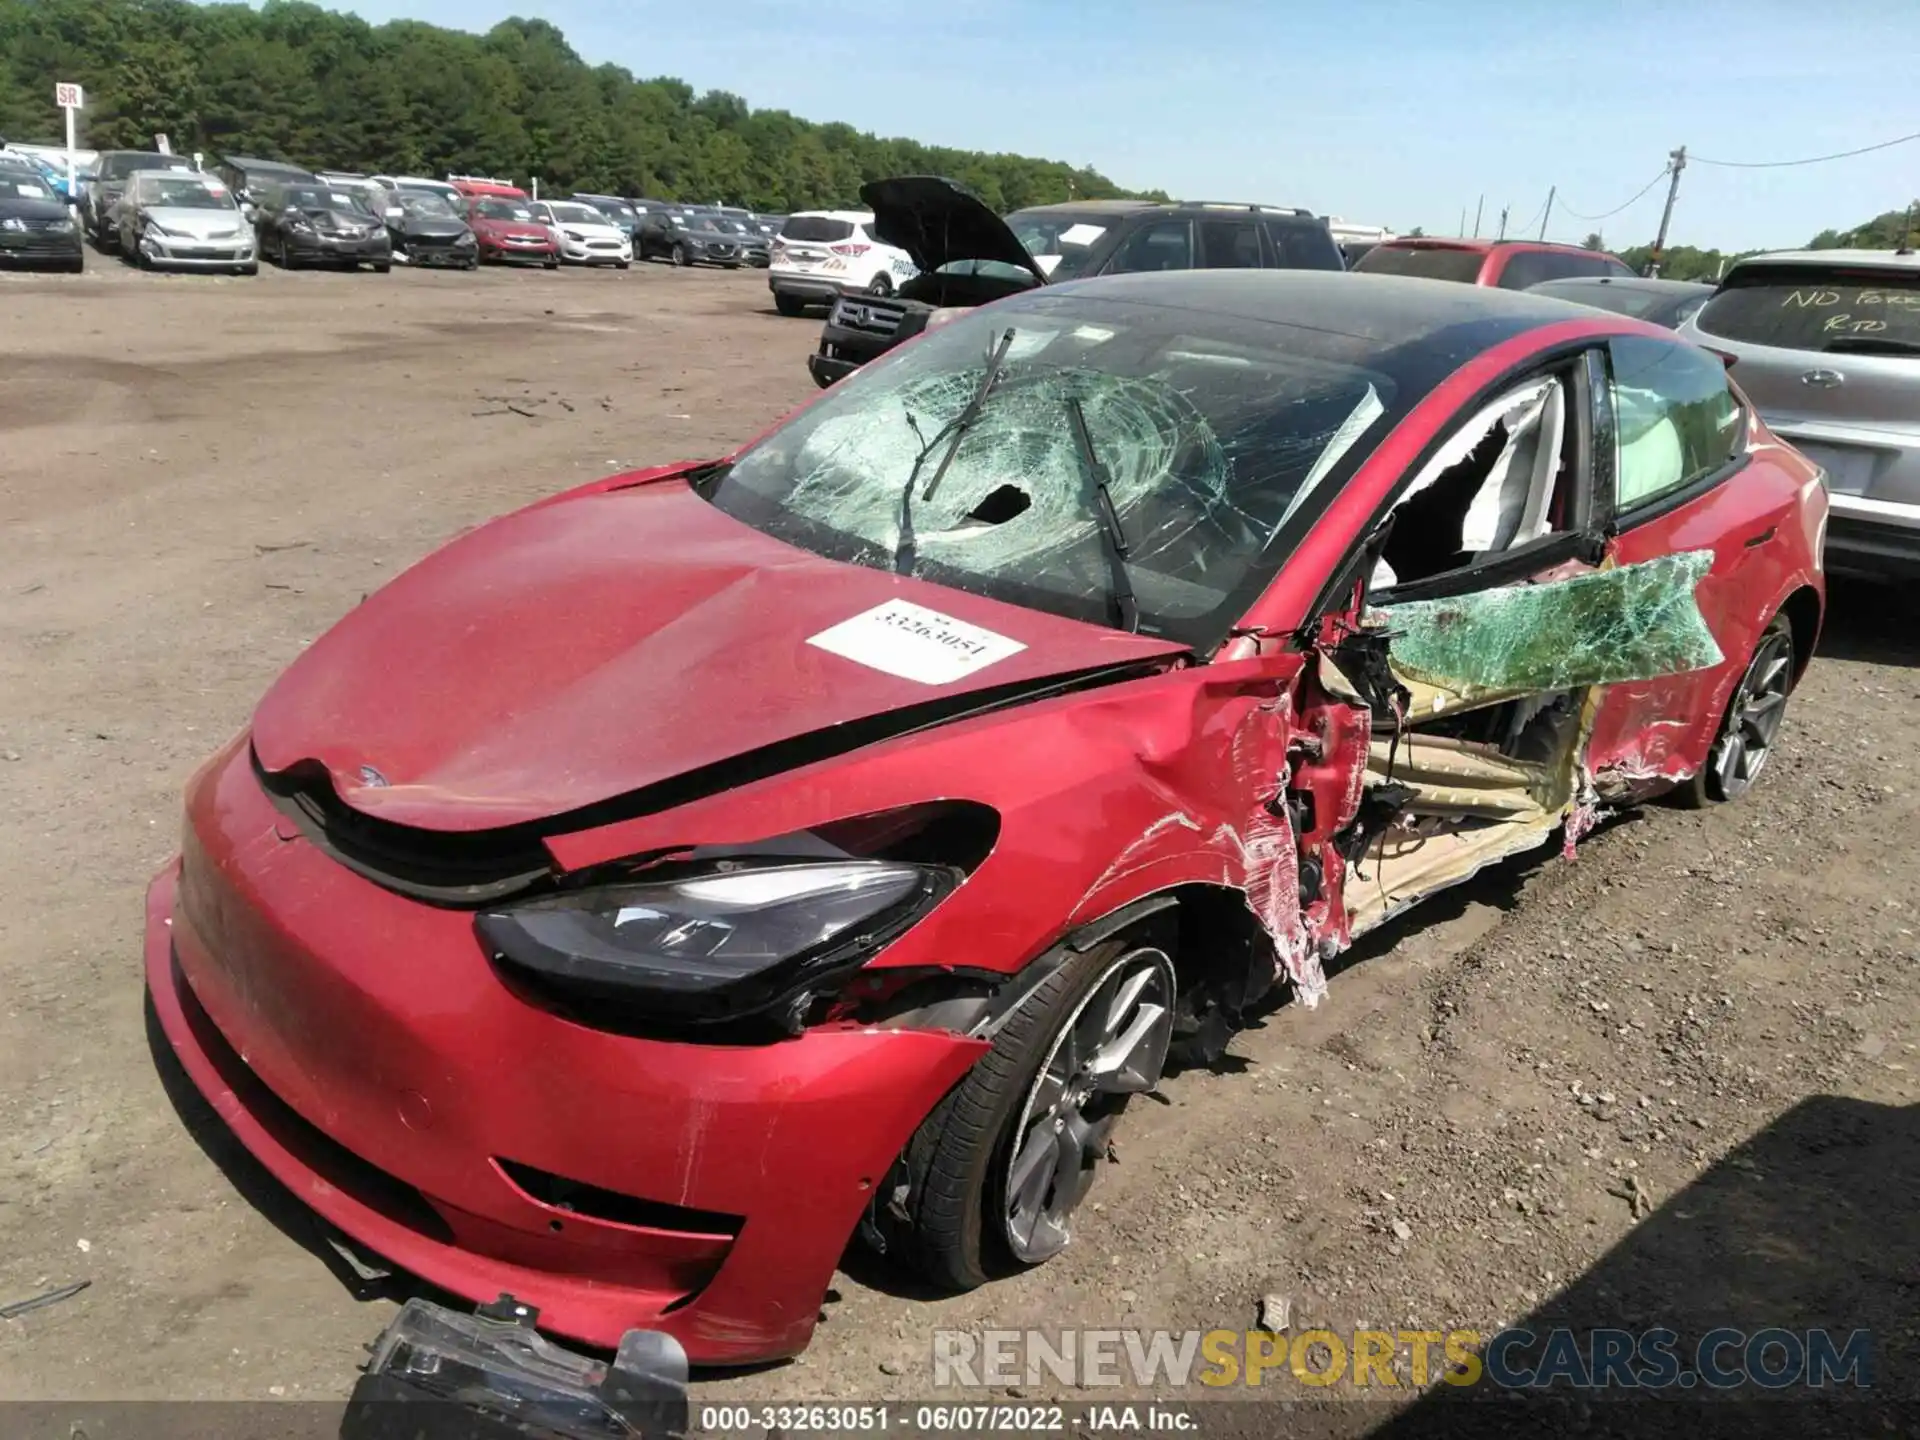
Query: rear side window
<point x="1808" y="307"/>
<point x="1530" y="267"/>
<point x="1303" y="245"/>
<point x="1427" y="262"/>
<point x="820" y="229"/>
<point x="1677" y="420"/>
<point x="1163" y="245"/>
<point x="1230" y="244"/>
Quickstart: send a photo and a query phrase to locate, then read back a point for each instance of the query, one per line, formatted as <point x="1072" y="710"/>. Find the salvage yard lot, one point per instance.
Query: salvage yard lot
<point x="197" y="476"/>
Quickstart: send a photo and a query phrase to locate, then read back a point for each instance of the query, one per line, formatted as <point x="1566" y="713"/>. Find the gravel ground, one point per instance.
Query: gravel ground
<point x="1670" y="1081"/>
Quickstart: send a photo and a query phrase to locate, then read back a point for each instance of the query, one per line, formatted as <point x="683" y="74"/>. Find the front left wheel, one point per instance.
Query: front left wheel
<point x="993" y="1176"/>
<point x="1751" y="723"/>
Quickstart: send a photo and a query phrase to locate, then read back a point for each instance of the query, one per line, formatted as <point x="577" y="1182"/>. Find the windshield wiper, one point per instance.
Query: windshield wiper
<point x="953" y="432"/>
<point x="1112" y="534"/>
<point x="1870" y="345"/>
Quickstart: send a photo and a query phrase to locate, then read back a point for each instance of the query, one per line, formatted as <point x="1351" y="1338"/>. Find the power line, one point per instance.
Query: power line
<point x="1535" y="218"/>
<point x="1608" y="215"/>
<point x="1810" y="160"/>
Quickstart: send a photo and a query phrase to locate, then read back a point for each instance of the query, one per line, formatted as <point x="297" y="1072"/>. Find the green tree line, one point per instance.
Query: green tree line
<point x="291" y="81"/>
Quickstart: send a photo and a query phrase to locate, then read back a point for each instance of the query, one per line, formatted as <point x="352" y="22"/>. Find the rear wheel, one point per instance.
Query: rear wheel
<point x="680" y="256"/>
<point x="382" y="269"/>
<point x="1748" y="729"/>
<point x="880" y="285"/>
<point x="788" y="304"/>
<point x="993" y="1176"/>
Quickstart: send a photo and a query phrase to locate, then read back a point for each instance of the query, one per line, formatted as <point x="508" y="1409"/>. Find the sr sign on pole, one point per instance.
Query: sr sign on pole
<point x="69" y="98"/>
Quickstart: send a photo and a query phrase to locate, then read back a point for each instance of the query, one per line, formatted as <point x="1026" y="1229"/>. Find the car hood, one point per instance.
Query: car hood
<point x="577" y="651"/>
<point x="327" y="218"/>
<point x="191" y="220"/>
<point x="530" y="228"/>
<point x="937" y="222"/>
<point x="598" y="230"/>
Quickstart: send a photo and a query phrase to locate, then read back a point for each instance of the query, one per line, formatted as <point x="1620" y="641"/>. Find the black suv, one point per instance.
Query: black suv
<point x="968" y="255"/>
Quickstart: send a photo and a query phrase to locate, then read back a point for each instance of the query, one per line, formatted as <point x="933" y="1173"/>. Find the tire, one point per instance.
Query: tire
<point x="77" y="265"/>
<point x="621" y="264"/>
<point x="473" y="264"/>
<point x="549" y="264"/>
<point x="379" y="269"/>
<point x="959" y="1222"/>
<point x="253" y="269"/>
<point x="680" y="257"/>
<point x="880" y="285"/>
<point x="1744" y="741"/>
<point x="788" y="304"/>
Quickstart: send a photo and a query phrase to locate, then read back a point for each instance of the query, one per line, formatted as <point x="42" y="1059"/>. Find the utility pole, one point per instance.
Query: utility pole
<point x="1503" y="222"/>
<point x="1476" y="216"/>
<point x="1676" y="162"/>
<point x="1547" y="214"/>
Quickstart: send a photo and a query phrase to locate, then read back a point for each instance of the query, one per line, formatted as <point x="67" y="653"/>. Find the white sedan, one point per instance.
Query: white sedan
<point x="585" y="235"/>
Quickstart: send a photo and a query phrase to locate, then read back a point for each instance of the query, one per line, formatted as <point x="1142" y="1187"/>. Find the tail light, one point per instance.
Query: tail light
<point x="850" y="249"/>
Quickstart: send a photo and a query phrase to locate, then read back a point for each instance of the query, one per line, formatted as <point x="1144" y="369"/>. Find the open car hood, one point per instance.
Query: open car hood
<point x="938" y="222"/>
<point x="581" y="650"/>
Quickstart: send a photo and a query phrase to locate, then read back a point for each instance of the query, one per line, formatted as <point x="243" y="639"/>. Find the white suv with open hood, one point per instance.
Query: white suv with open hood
<point x="820" y="255"/>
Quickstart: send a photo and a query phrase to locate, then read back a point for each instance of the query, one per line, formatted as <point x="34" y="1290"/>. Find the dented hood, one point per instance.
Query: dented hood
<point x="937" y="223"/>
<point x="580" y="650"/>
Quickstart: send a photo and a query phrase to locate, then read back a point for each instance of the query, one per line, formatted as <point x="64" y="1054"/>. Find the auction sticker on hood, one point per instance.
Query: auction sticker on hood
<point x="915" y="643"/>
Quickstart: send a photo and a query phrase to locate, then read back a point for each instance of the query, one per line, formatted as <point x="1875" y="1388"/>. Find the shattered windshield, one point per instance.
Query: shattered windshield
<point x="1210" y="430"/>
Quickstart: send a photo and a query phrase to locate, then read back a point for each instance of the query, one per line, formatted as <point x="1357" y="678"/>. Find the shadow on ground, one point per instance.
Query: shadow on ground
<point x="1813" y="1225"/>
<point x="1872" y="624"/>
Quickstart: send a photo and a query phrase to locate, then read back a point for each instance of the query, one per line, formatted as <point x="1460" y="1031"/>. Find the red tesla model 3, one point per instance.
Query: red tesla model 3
<point x="656" y="887"/>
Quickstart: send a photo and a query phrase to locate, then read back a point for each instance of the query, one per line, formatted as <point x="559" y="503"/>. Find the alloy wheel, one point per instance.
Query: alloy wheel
<point x="1113" y="1045"/>
<point x="1753" y="717"/>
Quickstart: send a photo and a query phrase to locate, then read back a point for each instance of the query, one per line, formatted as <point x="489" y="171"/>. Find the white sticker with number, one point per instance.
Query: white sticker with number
<point x="915" y="643"/>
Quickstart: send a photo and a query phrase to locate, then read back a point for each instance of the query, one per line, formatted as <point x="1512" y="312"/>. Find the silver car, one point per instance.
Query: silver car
<point x="183" y="219"/>
<point x="1827" y="344"/>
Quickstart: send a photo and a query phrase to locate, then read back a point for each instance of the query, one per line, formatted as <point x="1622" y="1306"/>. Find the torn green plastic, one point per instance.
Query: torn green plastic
<point x="1631" y="622"/>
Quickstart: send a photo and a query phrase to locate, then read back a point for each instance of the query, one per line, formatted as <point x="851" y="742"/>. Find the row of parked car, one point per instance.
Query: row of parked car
<point x="160" y="210"/>
<point x="1824" y="341"/>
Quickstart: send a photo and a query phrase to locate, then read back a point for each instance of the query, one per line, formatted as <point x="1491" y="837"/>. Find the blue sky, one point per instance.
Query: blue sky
<point x="1390" y="112"/>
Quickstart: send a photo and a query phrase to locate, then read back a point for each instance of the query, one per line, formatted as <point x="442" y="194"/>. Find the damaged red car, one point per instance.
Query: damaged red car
<point x="658" y="887"/>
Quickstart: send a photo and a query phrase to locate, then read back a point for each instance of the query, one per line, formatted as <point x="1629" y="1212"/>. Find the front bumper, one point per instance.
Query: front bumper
<point x="325" y="249"/>
<point x="41" y="248"/>
<point x="826" y="369"/>
<point x="428" y="253"/>
<point x="536" y="252"/>
<point x="395" y="1086"/>
<point x="185" y="253"/>
<point x="581" y="252"/>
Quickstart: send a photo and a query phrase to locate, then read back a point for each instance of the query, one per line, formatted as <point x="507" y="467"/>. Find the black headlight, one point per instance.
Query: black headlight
<point x="759" y="939"/>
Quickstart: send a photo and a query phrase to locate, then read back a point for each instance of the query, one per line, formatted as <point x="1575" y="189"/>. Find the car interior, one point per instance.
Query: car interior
<point x="1467" y="774"/>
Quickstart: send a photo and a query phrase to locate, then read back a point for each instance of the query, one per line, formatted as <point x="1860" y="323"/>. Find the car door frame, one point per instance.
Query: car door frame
<point x="1649" y="734"/>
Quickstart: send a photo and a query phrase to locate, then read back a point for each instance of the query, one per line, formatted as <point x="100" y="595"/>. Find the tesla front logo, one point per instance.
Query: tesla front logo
<point x="372" y="778"/>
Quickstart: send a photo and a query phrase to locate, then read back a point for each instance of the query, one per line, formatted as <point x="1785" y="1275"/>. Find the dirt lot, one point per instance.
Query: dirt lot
<point x="1642" y="1087"/>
